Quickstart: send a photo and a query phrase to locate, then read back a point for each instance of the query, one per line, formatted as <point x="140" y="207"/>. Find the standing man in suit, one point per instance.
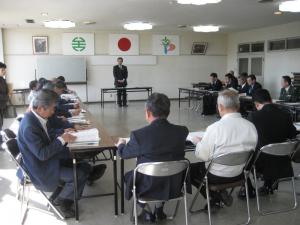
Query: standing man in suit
<point x="160" y="141"/>
<point x="274" y="125"/>
<point x="216" y="84"/>
<point x="287" y="92"/>
<point x="253" y="84"/>
<point x="3" y="95"/>
<point x="121" y="74"/>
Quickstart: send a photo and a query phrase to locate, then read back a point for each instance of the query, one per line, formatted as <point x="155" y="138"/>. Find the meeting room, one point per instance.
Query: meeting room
<point x="177" y="112"/>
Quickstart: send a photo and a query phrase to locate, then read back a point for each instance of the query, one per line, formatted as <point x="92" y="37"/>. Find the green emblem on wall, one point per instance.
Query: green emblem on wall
<point x="78" y="44"/>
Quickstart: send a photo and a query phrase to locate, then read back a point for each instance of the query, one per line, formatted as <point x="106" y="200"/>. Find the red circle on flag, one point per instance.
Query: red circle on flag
<point x="124" y="44"/>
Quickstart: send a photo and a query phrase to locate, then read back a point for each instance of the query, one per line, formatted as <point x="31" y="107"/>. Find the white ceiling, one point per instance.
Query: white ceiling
<point x="165" y="15"/>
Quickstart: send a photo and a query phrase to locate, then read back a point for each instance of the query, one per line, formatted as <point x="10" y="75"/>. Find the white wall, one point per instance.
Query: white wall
<point x="1" y="47"/>
<point x="276" y="64"/>
<point x="170" y="72"/>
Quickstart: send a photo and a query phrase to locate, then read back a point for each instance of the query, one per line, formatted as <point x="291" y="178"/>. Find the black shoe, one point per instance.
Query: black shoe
<point x="242" y="193"/>
<point x="124" y="105"/>
<point x="267" y="190"/>
<point x="226" y="198"/>
<point x="159" y="214"/>
<point x="97" y="172"/>
<point x="146" y="217"/>
<point x="65" y="206"/>
<point x="214" y="207"/>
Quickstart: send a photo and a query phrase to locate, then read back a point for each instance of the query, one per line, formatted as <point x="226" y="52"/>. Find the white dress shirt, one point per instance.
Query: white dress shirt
<point x="44" y="125"/>
<point x="230" y="134"/>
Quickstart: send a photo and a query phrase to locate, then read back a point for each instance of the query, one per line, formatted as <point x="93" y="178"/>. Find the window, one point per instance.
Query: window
<point x="244" y="48"/>
<point x="293" y="43"/>
<point x="258" y="47"/>
<point x="277" y="45"/>
<point x="257" y="66"/>
<point x="243" y="65"/>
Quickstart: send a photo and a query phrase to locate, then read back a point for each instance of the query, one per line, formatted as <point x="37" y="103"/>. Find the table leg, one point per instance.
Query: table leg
<point x="189" y="99"/>
<point x="75" y="188"/>
<point x="115" y="181"/>
<point x="122" y="185"/>
<point x="179" y="92"/>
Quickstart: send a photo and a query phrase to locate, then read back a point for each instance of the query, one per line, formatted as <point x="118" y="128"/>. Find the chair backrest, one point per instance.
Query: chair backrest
<point x="233" y="158"/>
<point x="161" y="169"/>
<point x="12" y="148"/>
<point x="280" y="149"/>
<point x="9" y="134"/>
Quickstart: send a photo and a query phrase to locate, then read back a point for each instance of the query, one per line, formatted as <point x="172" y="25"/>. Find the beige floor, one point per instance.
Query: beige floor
<point x="120" y="122"/>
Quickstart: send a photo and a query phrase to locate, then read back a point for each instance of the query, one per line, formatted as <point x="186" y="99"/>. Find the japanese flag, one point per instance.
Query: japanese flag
<point x="123" y="44"/>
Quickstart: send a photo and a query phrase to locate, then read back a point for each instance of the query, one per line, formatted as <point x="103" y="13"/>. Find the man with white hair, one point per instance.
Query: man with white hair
<point x="230" y="134"/>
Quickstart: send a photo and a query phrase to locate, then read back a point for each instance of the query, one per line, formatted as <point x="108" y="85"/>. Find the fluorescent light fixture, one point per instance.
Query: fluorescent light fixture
<point x="44" y="14"/>
<point x="209" y="28"/>
<point x="198" y="2"/>
<point x="290" y="6"/>
<point x="278" y="13"/>
<point x="59" y="24"/>
<point x="138" y="26"/>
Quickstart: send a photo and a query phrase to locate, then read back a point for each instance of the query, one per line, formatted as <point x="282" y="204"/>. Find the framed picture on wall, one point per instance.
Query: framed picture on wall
<point x="40" y="45"/>
<point x="199" y="48"/>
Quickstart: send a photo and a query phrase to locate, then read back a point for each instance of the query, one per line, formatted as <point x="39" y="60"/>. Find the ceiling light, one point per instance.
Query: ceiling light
<point x="290" y="6"/>
<point x="278" y="13"/>
<point x="198" y="2"/>
<point x="59" y="24"/>
<point x="208" y="28"/>
<point x="138" y="26"/>
<point x="44" y="14"/>
<point x="89" y="22"/>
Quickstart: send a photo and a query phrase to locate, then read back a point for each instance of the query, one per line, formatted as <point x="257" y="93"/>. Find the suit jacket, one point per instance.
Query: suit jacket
<point x="41" y="155"/>
<point x="253" y="88"/>
<point x="158" y="142"/>
<point x="120" y="74"/>
<point x="244" y="89"/>
<point x="288" y="96"/>
<point x="3" y="93"/>
<point x="273" y="125"/>
<point x="62" y="108"/>
<point x="216" y="86"/>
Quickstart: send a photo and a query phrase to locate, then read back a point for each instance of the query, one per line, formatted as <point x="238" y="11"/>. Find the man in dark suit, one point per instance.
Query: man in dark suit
<point x="160" y="141"/>
<point x="287" y="92"/>
<point x="120" y="74"/>
<point x="231" y="81"/>
<point x="3" y="95"/>
<point x="44" y="154"/>
<point x="243" y="85"/>
<point x="274" y="125"/>
<point x="216" y="84"/>
<point x="253" y="84"/>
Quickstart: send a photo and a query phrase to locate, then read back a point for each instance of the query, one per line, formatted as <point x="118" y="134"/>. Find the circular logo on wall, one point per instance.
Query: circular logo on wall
<point x="78" y="44"/>
<point x="124" y="44"/>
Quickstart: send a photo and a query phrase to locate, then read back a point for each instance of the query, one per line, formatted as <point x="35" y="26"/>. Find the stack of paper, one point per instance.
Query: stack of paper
<point x="198" y="134"/>
<point x="80" y="119"/>
<point x="88" y="137"/>
<point x="69" y="97"/>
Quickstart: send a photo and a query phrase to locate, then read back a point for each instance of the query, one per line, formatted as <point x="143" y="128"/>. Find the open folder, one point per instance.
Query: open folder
<point x="88" y="137"/>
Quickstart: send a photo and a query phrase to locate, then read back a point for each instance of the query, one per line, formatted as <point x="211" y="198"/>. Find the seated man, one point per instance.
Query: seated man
<point x="230" y="134"/>
<point x="274" y="125"/>
<point x="160" y="141"/>
<point x="33" y="90"/>
<point x="253" y="84"/>
<point x="216" y="84"/>
<point x="243" y="85"/>
<point x="46" y="157"/>
<point x="287" y="92"/>
<point x="231" y="81"/>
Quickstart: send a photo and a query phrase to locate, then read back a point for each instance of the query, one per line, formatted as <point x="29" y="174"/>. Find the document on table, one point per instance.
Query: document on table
<point x="198" y="134"/>
<point x="88" y="137"/>
<point x="69" y="97"/>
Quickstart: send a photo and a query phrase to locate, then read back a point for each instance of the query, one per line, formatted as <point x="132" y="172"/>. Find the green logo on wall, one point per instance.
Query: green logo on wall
<point x="78" y="44"/>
